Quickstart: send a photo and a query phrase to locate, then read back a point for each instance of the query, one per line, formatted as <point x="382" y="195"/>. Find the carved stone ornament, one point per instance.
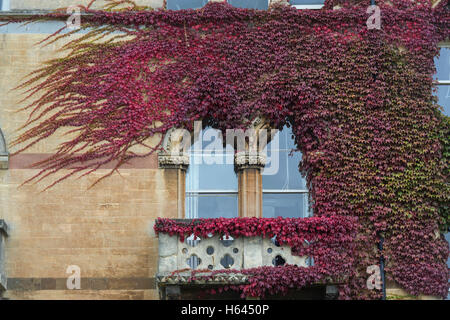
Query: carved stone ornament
<point x="246" y="159"/>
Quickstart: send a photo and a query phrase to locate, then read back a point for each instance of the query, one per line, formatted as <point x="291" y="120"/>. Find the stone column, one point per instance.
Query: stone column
<point x="248" y="167"/>
<point x="175" y="166"/>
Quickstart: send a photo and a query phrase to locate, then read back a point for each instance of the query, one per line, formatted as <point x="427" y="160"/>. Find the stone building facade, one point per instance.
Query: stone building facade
<point x="106" y="231"/>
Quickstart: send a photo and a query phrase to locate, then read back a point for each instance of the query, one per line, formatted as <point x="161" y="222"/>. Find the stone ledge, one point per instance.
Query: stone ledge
<point x="183" y="279"/>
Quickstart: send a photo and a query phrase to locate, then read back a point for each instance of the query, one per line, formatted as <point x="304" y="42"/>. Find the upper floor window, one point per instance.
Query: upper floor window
<point x="185" y="4"/>
<point x="4" y="5"/>
<point x="211" y="183"/>
<point x="443" y="77"/>
<point x="284" y="189"/>
<point x="250" y="4"/>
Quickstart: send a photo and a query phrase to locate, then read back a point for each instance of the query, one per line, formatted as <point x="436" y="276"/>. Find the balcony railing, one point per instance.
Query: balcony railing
<point x="320" y="246"/>
<point x="220" y="253"/>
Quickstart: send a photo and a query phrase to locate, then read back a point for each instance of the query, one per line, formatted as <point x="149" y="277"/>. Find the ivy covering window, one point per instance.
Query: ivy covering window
<point x="284" y="190"/>
<point x="185" y="4"/>
<point x="307" y="4"/>
<point x="443" y="77"/>
<point x="211" y="183"/>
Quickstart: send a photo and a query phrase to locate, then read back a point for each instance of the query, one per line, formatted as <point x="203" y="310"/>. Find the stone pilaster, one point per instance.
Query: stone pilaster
<point x="175" y="166"/>
<point x="248" y="167"/>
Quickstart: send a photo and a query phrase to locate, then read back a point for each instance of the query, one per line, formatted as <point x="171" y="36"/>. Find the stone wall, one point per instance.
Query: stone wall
<point x="107" y="230"/>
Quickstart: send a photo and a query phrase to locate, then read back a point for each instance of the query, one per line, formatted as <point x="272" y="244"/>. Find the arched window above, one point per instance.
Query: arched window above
<point x="285" y="193"/>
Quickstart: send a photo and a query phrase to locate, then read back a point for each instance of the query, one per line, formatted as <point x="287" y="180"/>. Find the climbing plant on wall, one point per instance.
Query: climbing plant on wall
<point x="359" y="101"/>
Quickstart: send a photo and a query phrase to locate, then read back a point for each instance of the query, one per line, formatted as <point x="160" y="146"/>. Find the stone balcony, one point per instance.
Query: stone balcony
<point x="217" y="261"/>
<point x="178" y="259"/>
<point x="219" y="253"/>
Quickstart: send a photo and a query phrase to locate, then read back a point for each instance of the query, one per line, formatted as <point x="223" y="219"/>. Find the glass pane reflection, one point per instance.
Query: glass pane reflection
<point x="443" y="95"/>
<point x="250" y="4"/>
<point x="285" y="205"/>
<point x="185" y="4"/>
<point x="443" y="65"/>
<point x="211" y="206"/>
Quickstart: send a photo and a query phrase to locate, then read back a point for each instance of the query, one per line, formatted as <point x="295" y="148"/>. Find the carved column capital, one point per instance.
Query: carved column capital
<point x="246" y="160"/>
<point x="279" y="2"/>
<point x="173" y="161"/>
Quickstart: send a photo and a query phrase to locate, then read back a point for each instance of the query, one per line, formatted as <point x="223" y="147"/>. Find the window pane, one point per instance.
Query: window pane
<point x="287" y="177"/>
<point x="443" y="95"/>
<point x="203" y="174"/>
<point x="443" y="65"/>
<point x="281" y="171"/>
<point x="212" y="206"/>
<point x="285" y="205"/>
<point x="250" y="4"/>
<point x="185" y="4"/>
<point x="305" y="2"/>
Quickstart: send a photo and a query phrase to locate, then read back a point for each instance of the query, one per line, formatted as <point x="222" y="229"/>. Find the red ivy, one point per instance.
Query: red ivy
<point x="359" y="103"/>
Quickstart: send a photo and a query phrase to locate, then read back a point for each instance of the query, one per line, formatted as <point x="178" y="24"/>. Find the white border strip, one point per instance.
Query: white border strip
<point x="308" y="6"/>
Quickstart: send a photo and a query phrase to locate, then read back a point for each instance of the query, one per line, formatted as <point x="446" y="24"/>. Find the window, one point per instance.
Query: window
<point x="185" y="4"/>
<point x="307" y="4"/>
<point x="443" y="79"/>
<point x="284" y="190"/>
<point x="211" y="183"/>
<point x="250" y="4"/>
<point x="4" y="5"/>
